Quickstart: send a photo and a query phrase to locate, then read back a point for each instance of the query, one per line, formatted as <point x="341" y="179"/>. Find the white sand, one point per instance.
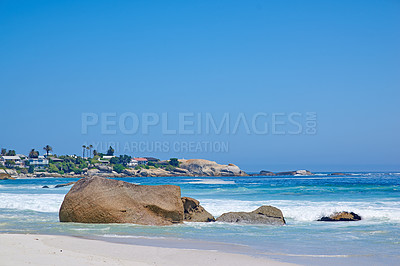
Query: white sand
<point x="18" y="249"/>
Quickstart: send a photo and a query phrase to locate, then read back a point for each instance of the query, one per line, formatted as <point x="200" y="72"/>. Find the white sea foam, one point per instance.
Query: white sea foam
<point x="133" y="236"/>
<point x="211" y="182"/>
<point x="34" y="202"/>
<point x="305" y="211"/>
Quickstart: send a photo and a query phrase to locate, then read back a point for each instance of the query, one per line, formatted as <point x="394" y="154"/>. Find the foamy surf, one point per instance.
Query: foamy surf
<point x="211" y="182"/>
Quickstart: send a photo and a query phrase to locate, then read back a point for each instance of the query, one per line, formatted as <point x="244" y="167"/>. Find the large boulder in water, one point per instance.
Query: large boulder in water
<point x="341" y="216"/>
<point x="263" y="215"/>
<point x="194" y="212"/>
<point x="101" y="200"/>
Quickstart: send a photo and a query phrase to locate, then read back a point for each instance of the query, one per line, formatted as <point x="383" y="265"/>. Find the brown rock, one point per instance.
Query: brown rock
<point x="101" y="200"/>
<point x="5" y="176"/>
<point x="200" y="167"/>
<point x="194" y="212"/>
<point x="263" y="215"/>
<point x="341" y="216"/>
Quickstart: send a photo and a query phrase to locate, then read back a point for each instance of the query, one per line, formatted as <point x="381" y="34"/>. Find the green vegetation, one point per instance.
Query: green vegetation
<point x="174" y="162"/>
<point x="33" y="154"/>
<point x="118" y="168"/>
<point x="110" y="151"/>
<point x="31" y="169"/>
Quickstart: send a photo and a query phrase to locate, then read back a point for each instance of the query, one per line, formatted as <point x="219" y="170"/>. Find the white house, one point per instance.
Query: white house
<point x="16" y="159"/>
<point x="40" y="162"/>
<point x="133" y="163"/>
<point x="108" y="157"/>
<point x="141" y="161"/>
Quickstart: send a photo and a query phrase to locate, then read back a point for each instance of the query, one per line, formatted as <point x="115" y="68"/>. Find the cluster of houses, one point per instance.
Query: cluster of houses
<point x="19" y="160"/>
<point x="22" y="161"/>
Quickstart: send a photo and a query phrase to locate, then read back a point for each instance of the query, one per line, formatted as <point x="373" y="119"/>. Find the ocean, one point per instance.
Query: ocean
<point x="26" y="207"/>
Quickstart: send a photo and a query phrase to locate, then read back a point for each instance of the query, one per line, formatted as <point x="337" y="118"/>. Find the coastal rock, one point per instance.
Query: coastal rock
<point x="45" y="187"/>
<point x="153" y="172"/>
<point x="105" y="168"/>
<point x="65" y="185"/>
<point x="5" y="176"/>
<point x="92" y="172"/>
<point x="194" y="212"/>
<point x="11" y="172"/>
<point x="262" y="215"/>
<point x="266" y="173"/>
<point x="181" y="171"/>
<point x="101" y="200"/>
<point x="298" y="172"/>
<point x="200" y="167"/>
<point x="129" y="172"/>
<point x="337" y="174"/>
<point x="341" y="216"/>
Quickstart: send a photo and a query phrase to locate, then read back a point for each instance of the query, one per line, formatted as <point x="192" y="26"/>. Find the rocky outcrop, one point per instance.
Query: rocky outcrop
<point x="341" y="216"/>
<point x="263" y="215"/>
<point x="101" y="200"/>
<point x="298" y="172"/>
<point x="194" y="212"/>
<point x="92" y="172"/>
<point x="337" y="174"/>
<point x="200" y="167"/>
<point x="65" y="185"/>
<point x="5" y="176"/>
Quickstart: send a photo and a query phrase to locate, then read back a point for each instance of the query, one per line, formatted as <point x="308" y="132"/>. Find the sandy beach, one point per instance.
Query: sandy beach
<point x="19" y="249"/>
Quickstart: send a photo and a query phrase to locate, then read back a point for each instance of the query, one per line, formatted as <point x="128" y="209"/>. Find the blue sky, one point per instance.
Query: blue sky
<point x="339" y="59"/>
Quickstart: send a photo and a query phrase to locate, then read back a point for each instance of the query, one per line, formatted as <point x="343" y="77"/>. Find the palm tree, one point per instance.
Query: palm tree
<point x="87" y="148"/>
<point x="90" y="147"/>
<point x="83" y="152"/>
<point x="47" y="148"/>
<point x="95" y="153"/>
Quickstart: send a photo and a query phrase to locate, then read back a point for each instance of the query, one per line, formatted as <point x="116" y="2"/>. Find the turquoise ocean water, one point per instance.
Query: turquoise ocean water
<point x="26" y="207"/>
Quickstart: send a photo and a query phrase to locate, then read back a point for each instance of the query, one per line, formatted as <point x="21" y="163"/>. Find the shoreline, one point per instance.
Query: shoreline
<point x="38" y="249"/>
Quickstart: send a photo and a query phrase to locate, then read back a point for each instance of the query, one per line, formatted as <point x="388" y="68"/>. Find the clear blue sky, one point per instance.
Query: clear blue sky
<point x="340" y="59"/>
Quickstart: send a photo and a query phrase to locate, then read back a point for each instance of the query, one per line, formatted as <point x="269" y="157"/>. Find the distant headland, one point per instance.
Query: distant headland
<point x="92" y="163"/>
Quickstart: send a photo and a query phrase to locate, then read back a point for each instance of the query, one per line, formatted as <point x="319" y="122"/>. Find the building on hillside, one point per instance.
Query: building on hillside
<point x="11" y="161"/>
<point x="133" y="163"/>
<point x="55" y="160"/>
<point x="107" y="157"/>
<point x="23" y="157"/>
<point x="141" y="161"/>
<point x="39" y="163"/>
<point x="152" y="159"/>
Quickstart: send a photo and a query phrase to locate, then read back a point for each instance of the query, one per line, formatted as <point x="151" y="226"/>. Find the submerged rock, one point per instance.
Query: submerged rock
<point x="337" y="174"/>
<point x="65" y="185"/>
<point x="263" y="215"/>
<point x="194" y="212"/>
<point x="45" y="187"/>
<point x="297" y="172"/>
<point x="101" y="200"/>
<point x="341" y="216"/>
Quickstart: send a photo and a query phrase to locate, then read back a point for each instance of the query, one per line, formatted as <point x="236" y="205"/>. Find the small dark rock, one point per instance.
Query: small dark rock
<point x="341" y="216"/>
<point x="45" y="187"/>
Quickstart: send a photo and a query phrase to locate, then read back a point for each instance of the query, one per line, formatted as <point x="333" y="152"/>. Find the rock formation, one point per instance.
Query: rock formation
<point x="262" y="215"/>
<point x="194" y="212"/>
<point x="200" y="167"/>
<point x="101" y="200"/>
<point x="341" y="216"/>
